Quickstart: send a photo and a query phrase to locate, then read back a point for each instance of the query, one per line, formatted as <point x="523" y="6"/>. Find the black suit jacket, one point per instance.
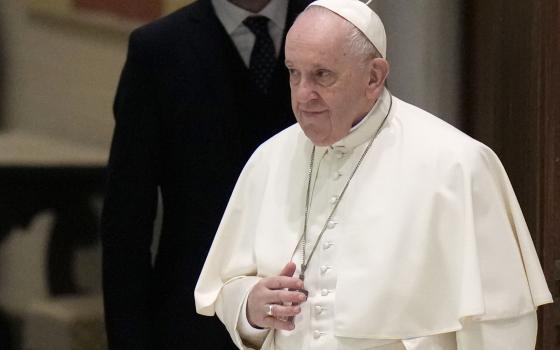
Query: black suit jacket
<point x="187" y="119"/>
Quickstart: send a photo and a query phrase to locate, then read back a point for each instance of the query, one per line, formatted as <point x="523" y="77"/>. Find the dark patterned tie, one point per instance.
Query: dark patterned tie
<point x="263" y="59"/>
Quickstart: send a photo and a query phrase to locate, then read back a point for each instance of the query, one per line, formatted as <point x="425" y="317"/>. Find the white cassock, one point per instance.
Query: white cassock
<point x="428" y="248"/>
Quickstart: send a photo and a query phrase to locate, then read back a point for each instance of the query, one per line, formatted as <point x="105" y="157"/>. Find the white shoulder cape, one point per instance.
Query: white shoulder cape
<point x="434" y="236"/>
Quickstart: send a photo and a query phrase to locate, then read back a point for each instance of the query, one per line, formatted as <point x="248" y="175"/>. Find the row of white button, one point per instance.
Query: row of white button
<point x="318" y="334"/>
<point x="337" y="175"/>
<point x="331" y="224"/>
<point x="319" y="309"/>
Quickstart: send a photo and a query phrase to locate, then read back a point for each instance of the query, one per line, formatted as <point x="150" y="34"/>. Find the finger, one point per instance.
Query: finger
<point x="288" y="270"/>
<point x="281" y="282"/>
<point x="280" y="311"/>
<point x="272" y="322"/>
<point x="282" y="296"/>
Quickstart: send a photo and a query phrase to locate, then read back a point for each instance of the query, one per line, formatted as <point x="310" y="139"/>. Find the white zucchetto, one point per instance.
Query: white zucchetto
<point x="362" y="17"/>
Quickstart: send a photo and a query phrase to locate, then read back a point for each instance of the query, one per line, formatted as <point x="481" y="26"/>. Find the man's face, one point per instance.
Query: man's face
<point x="328" y="82"/>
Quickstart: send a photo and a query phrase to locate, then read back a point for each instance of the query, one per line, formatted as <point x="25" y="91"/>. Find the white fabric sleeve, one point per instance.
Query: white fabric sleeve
<point x="518" y="333"/>
<point x="230" y="305"/>
<point x="250" y="335"/>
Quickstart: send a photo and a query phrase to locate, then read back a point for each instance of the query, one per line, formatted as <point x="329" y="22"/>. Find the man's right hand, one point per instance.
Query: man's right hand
<point x="272" y="294"/>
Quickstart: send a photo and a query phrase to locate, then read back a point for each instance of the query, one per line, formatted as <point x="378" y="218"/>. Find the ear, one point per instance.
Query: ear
<point x="378" y="72"/>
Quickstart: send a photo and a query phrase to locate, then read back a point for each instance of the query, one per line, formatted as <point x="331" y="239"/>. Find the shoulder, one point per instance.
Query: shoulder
<point x="283" y="143"/>
<point x="429" y="130"/>
<point x="432" y="140"/>
<point x="272" y="157"/>
<point x="279" y="150"/>
<point x="164" y="32"/>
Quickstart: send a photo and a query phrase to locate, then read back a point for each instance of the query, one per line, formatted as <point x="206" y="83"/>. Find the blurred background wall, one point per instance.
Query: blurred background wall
<point x="57" y="82"/>
<point x="461" y="60"/>
<point x="2" y="71"/>
<point x="425" y="42"/>
<point x="59" y="79"/>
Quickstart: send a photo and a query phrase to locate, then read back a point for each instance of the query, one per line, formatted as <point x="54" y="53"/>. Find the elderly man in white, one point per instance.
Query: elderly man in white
<point x="372" y="224"/>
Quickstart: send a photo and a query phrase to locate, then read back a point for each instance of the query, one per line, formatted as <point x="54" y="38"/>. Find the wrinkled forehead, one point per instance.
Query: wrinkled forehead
<point x="310" y="47"/>
<point x="318" y="25"/>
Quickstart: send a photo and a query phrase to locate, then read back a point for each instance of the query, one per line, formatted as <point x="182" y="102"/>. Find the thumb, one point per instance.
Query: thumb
<point x="289" y="269"/>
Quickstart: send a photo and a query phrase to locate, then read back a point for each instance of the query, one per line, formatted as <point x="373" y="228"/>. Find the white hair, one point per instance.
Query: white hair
<point x="360" y="45"/>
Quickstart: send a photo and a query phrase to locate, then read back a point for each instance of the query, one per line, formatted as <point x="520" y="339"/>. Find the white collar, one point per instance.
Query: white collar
<point x="368" y="126"/>
<point x="232" y="16"/>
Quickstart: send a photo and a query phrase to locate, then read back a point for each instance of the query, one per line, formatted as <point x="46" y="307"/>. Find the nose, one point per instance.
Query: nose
<point x="304" y="91"/>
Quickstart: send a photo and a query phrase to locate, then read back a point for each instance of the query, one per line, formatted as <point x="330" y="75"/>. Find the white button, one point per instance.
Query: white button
<point x="337" y="175"/>
<point x="324" y="268"/>
<point x="331" y="224"/>
<point x="317" y="334"/>
<point x="338" y="155"/>
<point x="333" y="199"/>
<point x="318" y="309"/>
<point x="327" y="245"/>
<point x="324" y="292"/>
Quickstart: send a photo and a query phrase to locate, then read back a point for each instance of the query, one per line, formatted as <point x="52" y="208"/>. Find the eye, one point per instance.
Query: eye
<point x="325" y="77"/>
<point x="323" y="73"/>
<point x="294" y="75"/>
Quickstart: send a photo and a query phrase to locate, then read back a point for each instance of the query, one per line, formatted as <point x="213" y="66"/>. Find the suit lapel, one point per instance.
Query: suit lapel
<point x="216" y="53"/>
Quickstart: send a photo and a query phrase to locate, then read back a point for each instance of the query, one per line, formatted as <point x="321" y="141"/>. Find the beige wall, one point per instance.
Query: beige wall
<point x="425" y="43"/>
<point x="60" y="79"/>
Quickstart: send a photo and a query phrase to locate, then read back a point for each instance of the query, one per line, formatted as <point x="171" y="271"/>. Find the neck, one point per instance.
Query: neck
<point x="364" y="113"/>
<point x="250" y="5"/>
<point x="358" y="120"/>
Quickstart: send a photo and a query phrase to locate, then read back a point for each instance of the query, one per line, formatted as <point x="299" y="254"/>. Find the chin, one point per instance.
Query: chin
<point x="317" y="140"/>
<point x="317" y="136"/>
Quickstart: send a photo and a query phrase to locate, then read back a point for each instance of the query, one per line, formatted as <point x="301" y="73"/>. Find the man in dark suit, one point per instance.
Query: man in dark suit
<point x="194" y="100"/>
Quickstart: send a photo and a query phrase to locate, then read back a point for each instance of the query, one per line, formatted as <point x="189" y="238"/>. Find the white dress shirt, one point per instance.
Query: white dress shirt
<point x="232" y="18"/>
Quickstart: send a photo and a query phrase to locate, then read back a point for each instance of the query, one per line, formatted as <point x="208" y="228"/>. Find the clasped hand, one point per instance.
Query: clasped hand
<point x="274" y="301"/>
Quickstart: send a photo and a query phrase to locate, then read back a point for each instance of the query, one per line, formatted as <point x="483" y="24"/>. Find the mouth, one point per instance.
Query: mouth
<point x="312" y="113"/>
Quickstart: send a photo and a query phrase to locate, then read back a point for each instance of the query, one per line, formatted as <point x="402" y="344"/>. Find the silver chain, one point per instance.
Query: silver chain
<point x="303" y="238"/>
